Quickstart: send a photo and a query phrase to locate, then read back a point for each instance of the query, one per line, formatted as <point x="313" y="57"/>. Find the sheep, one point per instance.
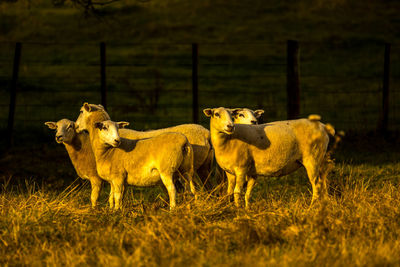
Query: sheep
<point x="246" y="116"/>
<point x="80" y="152"/>
<point x="198" y="136"/>
<point x="140" y="162"/>
<point x="271" y="149"/>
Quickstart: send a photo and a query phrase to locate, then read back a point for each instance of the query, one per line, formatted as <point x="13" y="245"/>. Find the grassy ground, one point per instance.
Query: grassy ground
<point x="52" y="223"/>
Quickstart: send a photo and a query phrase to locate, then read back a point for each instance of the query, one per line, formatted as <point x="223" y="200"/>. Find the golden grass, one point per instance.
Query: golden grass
<point x="359" y="224"/>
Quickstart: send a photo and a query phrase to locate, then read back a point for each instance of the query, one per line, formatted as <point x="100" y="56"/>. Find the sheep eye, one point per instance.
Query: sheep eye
<point x="241" y="115"/>
<point x="216" y="115"/>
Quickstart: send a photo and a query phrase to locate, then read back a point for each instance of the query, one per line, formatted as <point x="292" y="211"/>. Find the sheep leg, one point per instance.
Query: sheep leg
<point x="169" y="185"/>
<point x="188" y="175"/>
<point x="327" y="166"/>
<point x="204" y="171"/>
<point x="192" y="187"/>
<point x="111" y="197"/>
<point x="231" y="183"/>
<point x="240" y="178"/>
<point x="118" y="193"/>
<point x="96" y="186"/>
<point x="250" y="183"/>
<point x="312" y="169"/>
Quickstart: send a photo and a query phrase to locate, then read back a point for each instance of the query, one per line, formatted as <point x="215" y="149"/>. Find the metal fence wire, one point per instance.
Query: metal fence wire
<point x="151" y="85"/>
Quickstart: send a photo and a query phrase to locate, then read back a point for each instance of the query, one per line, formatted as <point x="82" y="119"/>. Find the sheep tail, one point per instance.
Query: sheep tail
<point x="330" y="130"/>
<point x="337" y="138"/>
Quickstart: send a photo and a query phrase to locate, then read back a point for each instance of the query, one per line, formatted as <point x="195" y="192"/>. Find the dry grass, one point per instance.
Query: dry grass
<point x="358" y="225"/>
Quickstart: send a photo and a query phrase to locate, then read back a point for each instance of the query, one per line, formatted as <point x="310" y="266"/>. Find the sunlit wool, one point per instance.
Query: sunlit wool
<point x="273" y="149"/>
<point x="197" y="135"/>
<point x="140" y="162"/>
<point x="80" y="152"/>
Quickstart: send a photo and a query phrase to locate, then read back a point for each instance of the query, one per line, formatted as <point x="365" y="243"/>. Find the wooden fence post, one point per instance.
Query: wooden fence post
<point x="384" y="118"/>
<point x="292" y="80"/>
<point x="195" y="92"/>
<point x="13" y="95"/>
<point x="103" y="74"/>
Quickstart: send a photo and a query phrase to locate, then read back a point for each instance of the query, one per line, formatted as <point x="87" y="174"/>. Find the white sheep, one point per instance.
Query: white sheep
<point x="271" y="149"/>
<point x="80" y="152"/>
<point x="245" y="115"/>
<point x="140" y="162"/>
<point x="198" y="136"/>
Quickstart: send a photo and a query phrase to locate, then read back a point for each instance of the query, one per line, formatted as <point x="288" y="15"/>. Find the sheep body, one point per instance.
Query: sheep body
<point x="140" y="162"/>
<point x="272" y="149"/>
<point x="144" y="159"/>
<point x="80" y="153"/>
<point x="197" y="135"/>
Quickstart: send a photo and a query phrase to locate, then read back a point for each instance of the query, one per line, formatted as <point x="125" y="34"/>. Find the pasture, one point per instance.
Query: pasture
<point x="48" y="220"/>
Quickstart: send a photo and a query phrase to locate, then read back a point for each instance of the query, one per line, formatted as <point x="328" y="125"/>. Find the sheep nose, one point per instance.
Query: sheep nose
<point x="253" y="122"/>
<point x="117" y="141"/>
<point x="59" y="138"/>
<point x="229" y="127"/>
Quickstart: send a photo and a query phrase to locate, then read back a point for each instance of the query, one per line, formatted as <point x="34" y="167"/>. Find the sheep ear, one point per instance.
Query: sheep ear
<point x="122" y="124"/>
<point x="86" y="106"/>
<point x="208" y="112"/>
<point x="258" y="113"/>
<point x="98" y="125"/>
<point x="52" y="125"/>
<point x="234" y="111"/>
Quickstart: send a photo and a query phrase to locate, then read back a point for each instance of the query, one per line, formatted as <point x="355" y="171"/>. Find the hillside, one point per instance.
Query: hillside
<point x="202" y="21"/>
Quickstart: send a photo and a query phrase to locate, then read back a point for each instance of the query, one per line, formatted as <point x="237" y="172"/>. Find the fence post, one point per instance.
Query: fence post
<point x="13" y="95"/>
<point x="384" y="118"/>
<point x="195" y="92"/>
<point x="103" y="74"/>
<point x="292" y="80"/>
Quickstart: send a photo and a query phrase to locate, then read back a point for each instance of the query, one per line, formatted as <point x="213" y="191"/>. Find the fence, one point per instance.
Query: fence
<point x="351" y="84"/>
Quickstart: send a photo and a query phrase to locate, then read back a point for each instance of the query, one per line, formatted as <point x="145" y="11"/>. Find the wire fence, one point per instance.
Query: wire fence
<point x="150" y="85"/>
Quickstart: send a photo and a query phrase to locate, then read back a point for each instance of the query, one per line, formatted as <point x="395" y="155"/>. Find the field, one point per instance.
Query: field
<point x="45" y="213"/>
<point x="242" y="60"/>
<point x="50" y="221"/>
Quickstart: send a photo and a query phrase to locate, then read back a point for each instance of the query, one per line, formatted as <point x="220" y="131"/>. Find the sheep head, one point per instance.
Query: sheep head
<point x="246" y="116"/>
<point x="108" y="132"/>
<point x="90" y="112"/>
<point x="220" y="119"/>
<point x="65" y="130"/>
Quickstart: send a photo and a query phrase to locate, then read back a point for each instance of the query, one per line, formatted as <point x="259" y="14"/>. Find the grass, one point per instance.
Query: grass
<point x="50" y="223"/>
<point x="358" y="225"/>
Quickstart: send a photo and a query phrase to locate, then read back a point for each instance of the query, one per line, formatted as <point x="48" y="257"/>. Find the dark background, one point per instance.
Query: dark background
<point x="242" y="62"/>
